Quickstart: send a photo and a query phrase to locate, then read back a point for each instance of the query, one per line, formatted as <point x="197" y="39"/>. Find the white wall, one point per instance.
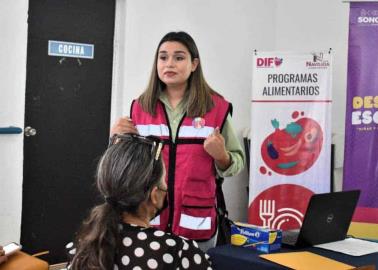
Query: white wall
<point x="226" y="32"/>
<point x="13" y="36"/>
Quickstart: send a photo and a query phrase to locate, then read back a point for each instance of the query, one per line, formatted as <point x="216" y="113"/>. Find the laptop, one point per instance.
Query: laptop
<point x="327" y="219"/>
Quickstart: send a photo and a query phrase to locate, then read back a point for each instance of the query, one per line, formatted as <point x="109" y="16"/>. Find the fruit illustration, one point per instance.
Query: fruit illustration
<point x="293" y="149"/>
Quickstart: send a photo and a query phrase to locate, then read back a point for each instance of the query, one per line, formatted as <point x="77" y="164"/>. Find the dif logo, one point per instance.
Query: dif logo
<point x="269" y="62"/>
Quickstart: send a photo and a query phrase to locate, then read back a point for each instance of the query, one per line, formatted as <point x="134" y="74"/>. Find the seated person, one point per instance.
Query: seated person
<point x="117" y="233"/>
<point x="3" y="258"/>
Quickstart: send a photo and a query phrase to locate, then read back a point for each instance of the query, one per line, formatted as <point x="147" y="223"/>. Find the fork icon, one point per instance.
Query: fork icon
<point x="267" y="211"/>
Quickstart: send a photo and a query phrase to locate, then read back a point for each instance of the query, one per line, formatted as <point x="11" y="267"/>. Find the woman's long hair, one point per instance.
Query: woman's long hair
<point x="198" y="92"/>
<point x="125" y="175"/>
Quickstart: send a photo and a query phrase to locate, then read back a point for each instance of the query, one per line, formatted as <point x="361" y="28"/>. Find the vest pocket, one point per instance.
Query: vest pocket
<point x="197" y="218"/>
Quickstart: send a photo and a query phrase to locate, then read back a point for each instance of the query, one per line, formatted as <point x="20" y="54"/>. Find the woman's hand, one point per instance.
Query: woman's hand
<point x="123" y="125"/>
<point x="3" y="258"/>
<point x="214" y="145"/>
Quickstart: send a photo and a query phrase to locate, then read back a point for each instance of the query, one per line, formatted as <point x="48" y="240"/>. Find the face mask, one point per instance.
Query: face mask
<point x="160" y="210"/>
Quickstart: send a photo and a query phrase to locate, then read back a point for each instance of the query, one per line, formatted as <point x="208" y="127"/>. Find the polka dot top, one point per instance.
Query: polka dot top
<point x="149" y="248"/>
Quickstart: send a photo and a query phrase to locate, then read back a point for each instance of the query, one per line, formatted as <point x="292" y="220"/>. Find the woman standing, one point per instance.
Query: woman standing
<point x="194" y="121"/>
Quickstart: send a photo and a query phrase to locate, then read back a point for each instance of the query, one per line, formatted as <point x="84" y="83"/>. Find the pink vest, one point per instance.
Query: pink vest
<point x="190" y="169"/>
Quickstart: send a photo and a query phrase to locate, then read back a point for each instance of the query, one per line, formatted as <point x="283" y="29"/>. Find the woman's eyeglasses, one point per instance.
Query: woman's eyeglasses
<point x="155" y="142"/>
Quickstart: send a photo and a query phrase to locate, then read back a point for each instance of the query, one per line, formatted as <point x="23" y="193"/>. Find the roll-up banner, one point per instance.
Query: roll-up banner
<point x="290" y="155"/>
<point x="361" y="121"/>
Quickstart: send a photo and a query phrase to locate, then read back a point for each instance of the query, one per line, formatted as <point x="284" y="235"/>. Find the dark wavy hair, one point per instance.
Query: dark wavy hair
<point x="125" y="175"/>
<point x="198" y="93"/>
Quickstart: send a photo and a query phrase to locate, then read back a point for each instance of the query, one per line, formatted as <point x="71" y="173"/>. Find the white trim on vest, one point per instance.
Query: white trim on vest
<point x="192" y="132"/>
<point x="155" y="221"/>
<point x="195" y="223"/>
<point x="155" y="130"/>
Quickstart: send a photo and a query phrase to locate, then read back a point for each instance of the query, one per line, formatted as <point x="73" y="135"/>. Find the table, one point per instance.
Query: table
<point x="231" y="257"/>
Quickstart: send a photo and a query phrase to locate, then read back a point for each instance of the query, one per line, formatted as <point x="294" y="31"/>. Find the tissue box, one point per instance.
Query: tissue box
<point x="262" y="239"/>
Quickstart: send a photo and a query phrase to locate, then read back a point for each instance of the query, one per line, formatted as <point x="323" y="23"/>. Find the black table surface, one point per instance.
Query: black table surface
<point x="231" y="257"/>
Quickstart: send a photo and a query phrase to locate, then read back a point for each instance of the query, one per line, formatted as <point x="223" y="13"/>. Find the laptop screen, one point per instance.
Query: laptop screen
<point x="328" y="217"/>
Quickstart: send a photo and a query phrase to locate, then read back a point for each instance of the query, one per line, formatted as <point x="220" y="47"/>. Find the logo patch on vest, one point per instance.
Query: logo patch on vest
<point x="198" y="122"/>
